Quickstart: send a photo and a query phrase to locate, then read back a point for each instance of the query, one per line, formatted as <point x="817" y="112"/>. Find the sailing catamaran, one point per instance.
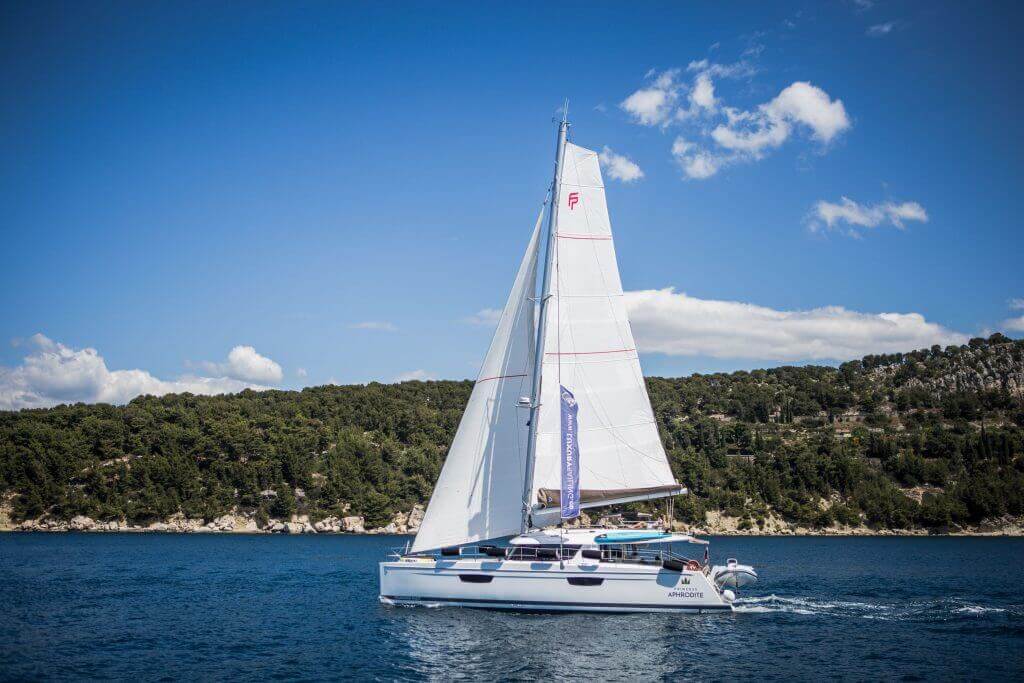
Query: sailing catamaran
<point x="559" y="420"/>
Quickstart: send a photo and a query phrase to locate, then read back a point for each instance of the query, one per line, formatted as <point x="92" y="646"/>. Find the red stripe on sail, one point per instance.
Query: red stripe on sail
<point x="499" y="377"/>
<point x="562" y="236"/>
<point x="586" y="353"/>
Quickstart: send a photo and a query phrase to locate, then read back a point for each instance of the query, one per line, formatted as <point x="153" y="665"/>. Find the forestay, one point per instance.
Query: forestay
<point x="479" y="493"/>
<point x="589" y="349"/>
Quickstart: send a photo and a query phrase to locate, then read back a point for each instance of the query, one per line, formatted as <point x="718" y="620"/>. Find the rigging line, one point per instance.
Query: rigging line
<point x="537" y="380"/>
<point x="558" y="303"/>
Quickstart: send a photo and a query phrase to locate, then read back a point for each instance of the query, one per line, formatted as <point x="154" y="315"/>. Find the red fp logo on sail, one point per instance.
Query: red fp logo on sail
<point x="574" y="199"/>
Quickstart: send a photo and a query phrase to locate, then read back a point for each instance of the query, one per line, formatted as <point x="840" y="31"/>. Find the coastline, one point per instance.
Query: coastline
<point x="893" y="533"/>
<point x="408" y="524"/>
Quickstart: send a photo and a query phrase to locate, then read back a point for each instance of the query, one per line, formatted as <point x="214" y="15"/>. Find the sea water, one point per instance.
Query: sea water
<point x="152" y="607"/>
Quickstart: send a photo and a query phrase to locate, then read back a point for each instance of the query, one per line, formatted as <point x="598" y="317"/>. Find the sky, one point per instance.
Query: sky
<point x="208" y="196"/>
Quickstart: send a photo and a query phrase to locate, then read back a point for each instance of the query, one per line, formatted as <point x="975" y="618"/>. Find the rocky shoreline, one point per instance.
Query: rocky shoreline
<point x="716" y="524"/>
<point x="237" y="522"/>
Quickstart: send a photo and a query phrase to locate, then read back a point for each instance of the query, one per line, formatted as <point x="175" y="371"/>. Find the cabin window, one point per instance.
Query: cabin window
<point x="530" y="552"/>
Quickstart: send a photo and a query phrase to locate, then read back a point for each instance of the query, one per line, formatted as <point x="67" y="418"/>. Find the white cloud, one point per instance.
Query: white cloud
<point x="246" y="364"/>
<point x="702" y="95"/>
<point x="881" y="29"/>
<point x="418" y="375"/>
<point x="864" y="5"/>
<point x="751" y="134"/>
<point x="53" y="373"/>
<point x="830" y="215"/>
<point x="706" y="67"/>
<point x="739" y="135"/>
<point x="702" y="102"/>
<point x="301" y="372"/>
<point x="804" y="103"/>
<point x="696" y="162"/>
<point x="1015" y="324"/>
<point x="379" y="325"/>
<point x="675" y="324"/>
<point x="653" y="105"/>
<point x="488" y="317"/>
<point x="619" y="167"/>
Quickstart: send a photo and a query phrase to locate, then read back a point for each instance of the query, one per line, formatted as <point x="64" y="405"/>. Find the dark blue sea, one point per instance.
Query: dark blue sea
<point x="151" y="607"/>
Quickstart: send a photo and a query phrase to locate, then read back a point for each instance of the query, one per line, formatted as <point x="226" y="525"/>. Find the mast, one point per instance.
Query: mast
<point x="531" y="450"/>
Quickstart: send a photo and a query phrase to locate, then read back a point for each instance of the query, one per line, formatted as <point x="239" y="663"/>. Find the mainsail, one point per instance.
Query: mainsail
<point x="479" y="493"/>
<point x="589" y="349"/>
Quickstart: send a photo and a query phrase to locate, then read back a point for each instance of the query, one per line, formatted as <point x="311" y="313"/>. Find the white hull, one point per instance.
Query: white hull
<point x="529" y="585"/>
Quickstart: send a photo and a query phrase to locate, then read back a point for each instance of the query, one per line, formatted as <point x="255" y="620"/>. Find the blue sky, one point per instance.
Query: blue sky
<point x="184" y="179"/>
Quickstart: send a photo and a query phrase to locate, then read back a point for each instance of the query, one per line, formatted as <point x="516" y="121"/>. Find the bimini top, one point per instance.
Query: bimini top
<point x="595" y="537"/>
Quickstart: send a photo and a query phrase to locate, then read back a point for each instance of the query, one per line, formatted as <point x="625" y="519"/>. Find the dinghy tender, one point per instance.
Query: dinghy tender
<point x="733" y="575"/>
<point x="558" y="421"/>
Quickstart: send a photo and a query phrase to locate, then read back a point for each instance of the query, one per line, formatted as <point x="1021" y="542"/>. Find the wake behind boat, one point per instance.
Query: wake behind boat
<point x="559" y="420"/>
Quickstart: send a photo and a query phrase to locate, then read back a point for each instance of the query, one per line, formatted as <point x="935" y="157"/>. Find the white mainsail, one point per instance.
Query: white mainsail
<point x="589" y="349"/>
<point x="479" y="493"/>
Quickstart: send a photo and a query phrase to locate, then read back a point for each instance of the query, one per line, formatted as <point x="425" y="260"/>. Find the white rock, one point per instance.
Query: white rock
<point x="353" y="525"/>
<point x="225" y="522"/>
<point x="415" y="518"/>
<point x="81" y="523"/>
<point x="293" y="527"/>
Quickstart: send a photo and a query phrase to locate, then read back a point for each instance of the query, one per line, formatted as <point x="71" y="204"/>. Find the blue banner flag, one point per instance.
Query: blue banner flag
<point x="570" y="456"/>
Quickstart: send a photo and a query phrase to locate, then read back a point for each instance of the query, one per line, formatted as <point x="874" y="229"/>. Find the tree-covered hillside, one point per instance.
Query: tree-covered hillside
<point x="930" y="438"/>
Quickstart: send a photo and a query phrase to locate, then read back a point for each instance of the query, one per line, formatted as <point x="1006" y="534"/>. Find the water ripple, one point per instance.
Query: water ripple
<point x="152" y="608"/>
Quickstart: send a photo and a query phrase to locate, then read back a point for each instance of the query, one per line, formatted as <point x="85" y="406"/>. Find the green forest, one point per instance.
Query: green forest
<point x="815" y="445"/>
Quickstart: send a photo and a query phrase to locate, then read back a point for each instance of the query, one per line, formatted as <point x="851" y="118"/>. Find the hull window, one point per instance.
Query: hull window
<point x="475" y="578"/>
<point x="584" y="581"/>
